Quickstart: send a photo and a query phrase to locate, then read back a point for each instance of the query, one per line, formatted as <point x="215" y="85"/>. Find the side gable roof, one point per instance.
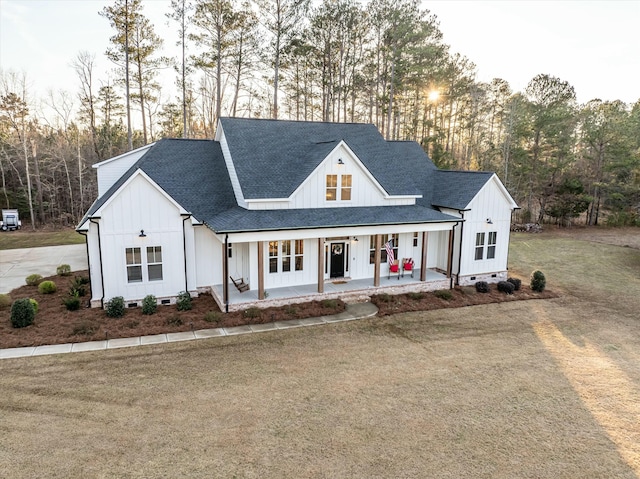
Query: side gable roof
<point x="273" y="157"/>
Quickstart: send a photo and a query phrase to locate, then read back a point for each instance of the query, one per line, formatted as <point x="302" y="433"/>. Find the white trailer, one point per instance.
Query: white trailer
<point x="10" y="220"/>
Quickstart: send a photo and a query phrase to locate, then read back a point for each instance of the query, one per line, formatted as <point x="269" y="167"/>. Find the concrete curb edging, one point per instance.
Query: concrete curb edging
<point x="352" y="312"/>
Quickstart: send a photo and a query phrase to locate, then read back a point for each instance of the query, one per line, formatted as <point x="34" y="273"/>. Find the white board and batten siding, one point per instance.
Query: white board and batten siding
<point x="110" y="171"/>
<point x="489" y="212"/>
<point x="140" y="205"/>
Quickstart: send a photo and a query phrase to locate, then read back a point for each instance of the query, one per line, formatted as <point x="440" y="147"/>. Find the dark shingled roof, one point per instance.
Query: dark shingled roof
<point x="456" y="189"/>
<point x="273" y="157"/>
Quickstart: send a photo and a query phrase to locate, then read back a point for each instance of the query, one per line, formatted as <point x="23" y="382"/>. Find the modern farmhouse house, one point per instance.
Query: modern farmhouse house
<point x="274" y="212"/>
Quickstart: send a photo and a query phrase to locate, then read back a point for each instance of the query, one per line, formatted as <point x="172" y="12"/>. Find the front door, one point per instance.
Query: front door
<point x="337" y="260"/>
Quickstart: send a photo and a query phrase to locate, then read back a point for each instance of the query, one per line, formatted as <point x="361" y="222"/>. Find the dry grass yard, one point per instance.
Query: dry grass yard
<point x="526" y="389"/>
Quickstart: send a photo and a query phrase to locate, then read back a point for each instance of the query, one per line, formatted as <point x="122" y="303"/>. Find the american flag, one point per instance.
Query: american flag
<point x="389" y="247"/>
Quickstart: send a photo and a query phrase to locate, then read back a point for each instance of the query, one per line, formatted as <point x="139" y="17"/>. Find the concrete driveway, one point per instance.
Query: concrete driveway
<point x="17" y="264"/>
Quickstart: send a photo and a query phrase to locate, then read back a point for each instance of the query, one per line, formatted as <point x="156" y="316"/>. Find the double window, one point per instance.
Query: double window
<point x="286" y="255"/>
<point x="383" y="250"/>
<point x="338" y="188"/>
<point x="141" y="268"/>
<point x="492" y="239"/>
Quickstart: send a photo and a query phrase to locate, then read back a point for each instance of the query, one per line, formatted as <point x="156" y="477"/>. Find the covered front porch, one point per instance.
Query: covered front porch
<point x="343" y="288"/>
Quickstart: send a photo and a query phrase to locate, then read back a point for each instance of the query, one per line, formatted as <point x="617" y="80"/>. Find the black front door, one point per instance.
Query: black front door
<point x="337" y="260"/>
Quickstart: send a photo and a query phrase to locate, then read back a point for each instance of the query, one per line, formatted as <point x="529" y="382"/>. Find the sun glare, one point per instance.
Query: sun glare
<point x="434" y="95"/>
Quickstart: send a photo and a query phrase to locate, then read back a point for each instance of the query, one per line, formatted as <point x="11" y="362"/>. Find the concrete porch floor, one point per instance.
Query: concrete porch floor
<point x="334" y="288"/>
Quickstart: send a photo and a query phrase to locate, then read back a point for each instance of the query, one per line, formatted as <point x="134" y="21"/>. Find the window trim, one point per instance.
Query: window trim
<point x="479" y="247"/>
<point x="383" y="251"/>
<point x="492" y="241"/>
<point x="156" y="250"/>
<point x="133" y="265"/>
<point x="336" y="187"/>
<point x="279" y="256"/>
<point x="135" y="259"/>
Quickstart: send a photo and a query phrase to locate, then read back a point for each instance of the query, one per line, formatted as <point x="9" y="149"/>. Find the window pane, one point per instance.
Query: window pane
<point x="479" y="251"/>
<point x="332" y="187"/>
<point x="345" y="192"/>
<point x="491" y="252"/>
<point x="134" y="274"/>
<point x="346" y="181"/>
<point x="286" y="248"/>
<point x="480" y="239"/>
<point x="273" y="265"/>
<point x="154" y="254"/>
<point x="133" y="256"/>
<point x="331" y="194"/>
<point x="299" y="246"/>
<point x="155" y="272"/>
<point x="299" y="263"/>
<point x="332" y="181"/>
<point x="273" y="248"/>
<point x="286" y="264"/>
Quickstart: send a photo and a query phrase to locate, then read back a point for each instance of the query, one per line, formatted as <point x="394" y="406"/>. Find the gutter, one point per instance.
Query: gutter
<point x="451" y="255"/>
<point x="100" y="255"/>
<point x="86" y="244"/>
<point x="225" y="274"/>
<point x="460" y="248"/>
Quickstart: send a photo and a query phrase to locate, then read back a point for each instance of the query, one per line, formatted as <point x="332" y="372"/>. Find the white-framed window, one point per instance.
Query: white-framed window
<point x="282" y="258"/>
<point x="415" y="239"/>
<point x="229" y="250"/>
<point x="479" y="246"/>
<point x="134" y="265"/>
<point x="299" y="255"/>
<point x="333" y="193"/>
<point x="383" y="251"/>
<point x="144" y="268"/>
<point x="154" y="263"/>
<point x="491" y="244"/>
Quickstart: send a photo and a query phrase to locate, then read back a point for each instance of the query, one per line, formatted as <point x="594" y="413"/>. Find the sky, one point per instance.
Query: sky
<point x="593" y="45"/>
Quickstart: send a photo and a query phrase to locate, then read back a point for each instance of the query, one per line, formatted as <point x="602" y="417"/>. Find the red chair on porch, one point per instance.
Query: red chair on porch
<point x="407" y="266"/>
<point x="394" y="268"/>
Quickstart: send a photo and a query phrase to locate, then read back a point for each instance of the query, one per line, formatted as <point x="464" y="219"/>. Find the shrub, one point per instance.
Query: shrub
<point x="115" y="307"/>
<point x="516" y="283"/>
<point x="482" y="287"/>
<point x="538" y="281"/>
<point x="63" y="270"/>
<point x="35" y="304"/>
<point x="184" y="301"/>
<point x="85" y="328"/>
<point x="72" y="303"/>
<point x="506" y="287"/>
<point x="213" y="317"/>
<point x="33" y="279"/>
<point x="47" y="287"/>
<point x="149" y="304"/>
<point x="329" y="303"/>
<point x="22" y="313"/>
<point x="5" y="301"/>
<point x="416" y="296"/>
<point x="77" y="286"/>
<point x="443" y="294"/>
<point x="252" y="312"/>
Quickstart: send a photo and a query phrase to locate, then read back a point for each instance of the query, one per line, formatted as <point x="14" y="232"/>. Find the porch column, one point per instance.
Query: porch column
<point x="225" y="274"/>
<point x="260" y="269"/>
<point x="320" y="265"/>
<point x="423" y="259"/>
<point x="450" y="254"/>
<point x="376" y="267"/>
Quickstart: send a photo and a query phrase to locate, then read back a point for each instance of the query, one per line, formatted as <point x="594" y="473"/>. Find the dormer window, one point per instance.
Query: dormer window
<point x="333" y="193"/>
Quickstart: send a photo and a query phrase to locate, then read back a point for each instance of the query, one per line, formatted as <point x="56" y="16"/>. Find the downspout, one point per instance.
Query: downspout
<point x="451" y="256"/>
<point x="225" y="273"/>
<point x="184" y="251"/>
<point x="460" y="248"/>
<point x="100" y="255"/>
<point x="86" y="243"/>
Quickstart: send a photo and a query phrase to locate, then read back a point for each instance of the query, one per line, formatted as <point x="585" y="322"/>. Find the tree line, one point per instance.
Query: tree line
<point x="383" y="62"/>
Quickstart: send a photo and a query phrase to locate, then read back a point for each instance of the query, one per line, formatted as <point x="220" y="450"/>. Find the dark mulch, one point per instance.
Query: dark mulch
<point x="55" y="325"/>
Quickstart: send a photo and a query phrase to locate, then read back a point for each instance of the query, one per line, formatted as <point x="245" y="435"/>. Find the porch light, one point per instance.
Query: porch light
<point x="142" y="235"/>
<point x="340" y="162"/>
<point x="489" y="222"/>
<point x="354" y="239"/>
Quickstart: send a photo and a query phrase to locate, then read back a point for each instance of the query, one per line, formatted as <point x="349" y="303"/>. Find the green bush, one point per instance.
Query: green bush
<point x="5" y="301"/>
<point x="330" y="303"/>
<point x="213" y="317"/>
<point x="506" y="287"/>
<point x="517" y="283"/>
<point x="72" y="303"/>
<point x="252" y="312"/>
<point x="63" y="270"/>
<point x="22" y="313"/>
<point x="149" y="304"/>
<point x="33" y="279"/>
<point x="416" y="296"/>
<point x="443" y="294"/>
<point x="538" y="281"/>
<point x="482" y="287"/>
<point x="47" y="287"/>
<point x="183" y="302"/>
<point x="115" y="307"/>
<point x="35" y="304"/>
<point x="77" y="286"/>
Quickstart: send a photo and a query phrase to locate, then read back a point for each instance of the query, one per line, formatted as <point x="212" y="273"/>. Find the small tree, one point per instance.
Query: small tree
<point x="538" y="281"/>
<point x="22" y="313"/>
<point x="149" y="304"/>
<point x="115" y="307"/>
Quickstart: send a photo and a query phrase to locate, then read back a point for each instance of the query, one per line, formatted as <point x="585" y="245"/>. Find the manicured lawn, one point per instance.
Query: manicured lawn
<point x="26" y="238"/>
<point x="544" y="389"/>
